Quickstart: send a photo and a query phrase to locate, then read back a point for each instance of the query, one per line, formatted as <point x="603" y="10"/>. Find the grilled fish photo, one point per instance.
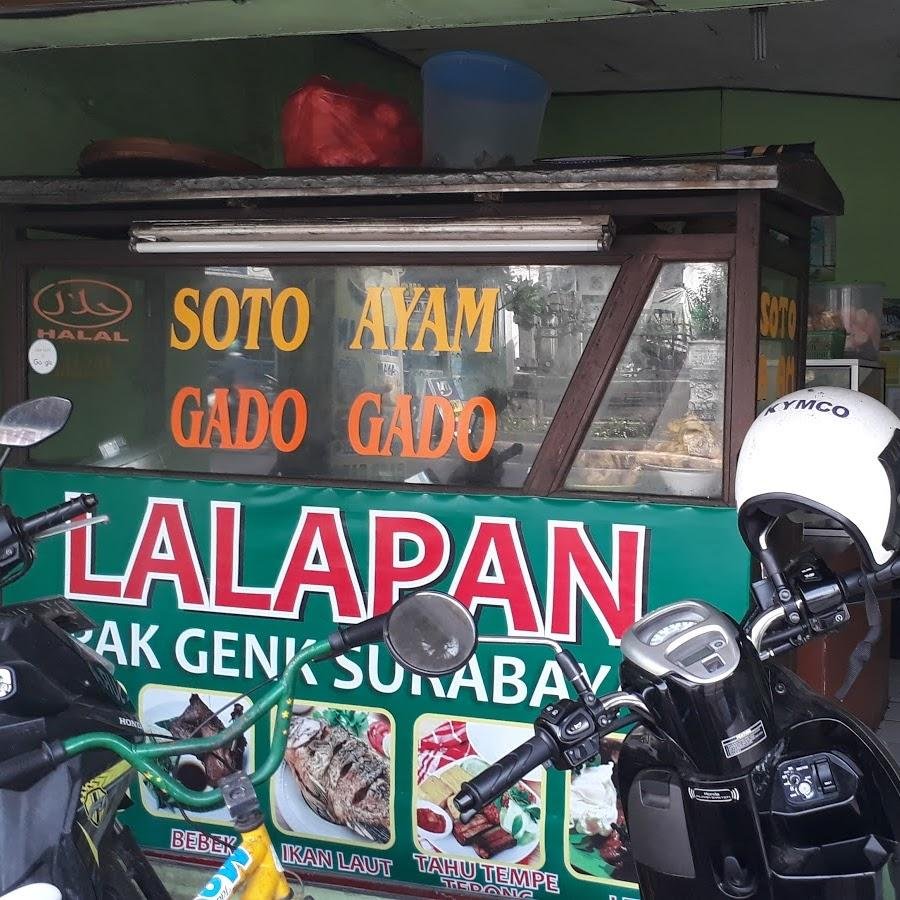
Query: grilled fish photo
<point x="342" y="779"/>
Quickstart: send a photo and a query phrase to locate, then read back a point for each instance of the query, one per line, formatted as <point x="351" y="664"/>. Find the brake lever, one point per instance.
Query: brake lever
<point x="73" y="525"/>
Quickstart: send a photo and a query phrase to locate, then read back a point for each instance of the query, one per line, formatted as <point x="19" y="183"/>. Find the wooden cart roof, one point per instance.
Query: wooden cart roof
<point x="801" y="181"/>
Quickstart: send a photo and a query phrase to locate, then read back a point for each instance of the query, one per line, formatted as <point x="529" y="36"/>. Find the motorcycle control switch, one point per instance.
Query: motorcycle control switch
<point x="573" y="730"/>
<point x="808" y="782"/>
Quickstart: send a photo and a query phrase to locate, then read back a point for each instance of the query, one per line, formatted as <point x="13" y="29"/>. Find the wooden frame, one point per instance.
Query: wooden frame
<point x="740" y="196"/>
<point x="592" y="375"/>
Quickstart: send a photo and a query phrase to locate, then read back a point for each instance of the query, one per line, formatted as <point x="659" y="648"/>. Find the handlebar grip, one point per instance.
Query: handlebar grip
<point x="57" y="515"/>
<point x="31" y="764"/>
<point x="855" y="583"/>
<point x="502" y="775"/>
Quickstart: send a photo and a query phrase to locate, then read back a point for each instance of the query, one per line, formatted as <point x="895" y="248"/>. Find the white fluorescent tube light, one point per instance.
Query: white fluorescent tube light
<point x="448" y="246"/>
<point x="587" y="234"/>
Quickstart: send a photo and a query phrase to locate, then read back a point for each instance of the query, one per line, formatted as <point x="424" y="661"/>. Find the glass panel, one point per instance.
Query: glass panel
<point x="829" y="376"/>
<point x="659" y="427"/>
<point x="444" y="374"/>
<point x="871" y="382"/>
<point x="779" y="337"/>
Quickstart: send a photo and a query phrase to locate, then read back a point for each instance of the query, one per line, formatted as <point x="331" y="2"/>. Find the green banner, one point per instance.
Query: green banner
<point x="200" y="590"/>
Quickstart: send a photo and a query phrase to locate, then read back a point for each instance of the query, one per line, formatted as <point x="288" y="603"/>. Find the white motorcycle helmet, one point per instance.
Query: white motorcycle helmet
<point x="827" y="450"/>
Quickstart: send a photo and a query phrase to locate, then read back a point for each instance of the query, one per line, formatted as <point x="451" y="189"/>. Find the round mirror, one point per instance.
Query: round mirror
<point x="34" y="421"/>
<point x="430" y="634"/>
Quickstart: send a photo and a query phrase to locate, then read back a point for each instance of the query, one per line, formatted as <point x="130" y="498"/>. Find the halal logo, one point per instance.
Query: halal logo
<point x="82" y="303"/>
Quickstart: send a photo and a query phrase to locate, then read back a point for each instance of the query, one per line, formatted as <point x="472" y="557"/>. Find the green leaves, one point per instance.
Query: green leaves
<point x="349" y="719"/>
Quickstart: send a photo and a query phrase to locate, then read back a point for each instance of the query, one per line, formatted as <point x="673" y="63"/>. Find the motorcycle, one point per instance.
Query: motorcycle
<point x="71" y="743"/>
<point x="736" y="781"/>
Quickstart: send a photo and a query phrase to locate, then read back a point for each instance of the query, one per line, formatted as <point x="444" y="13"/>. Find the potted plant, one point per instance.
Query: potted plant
<point x="704" y="301"/>
<point x="546" y="314"/>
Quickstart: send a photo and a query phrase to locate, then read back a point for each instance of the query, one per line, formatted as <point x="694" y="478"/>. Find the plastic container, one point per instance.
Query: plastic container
<point x="481" y="111"/>
<point x="855" y="307"/>
<point x="826" y="344"/>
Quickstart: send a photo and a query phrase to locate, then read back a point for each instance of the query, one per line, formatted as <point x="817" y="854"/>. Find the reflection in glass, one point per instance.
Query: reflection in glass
<point x="427" y="374"/>
<point x="658" y="430"/>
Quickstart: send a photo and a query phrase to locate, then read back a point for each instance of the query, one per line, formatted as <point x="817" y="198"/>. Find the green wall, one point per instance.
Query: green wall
<point x="855" y="138"/>
<point x="222" y="94"/>
<point x="226" y="19"/>
<point x="228" y="94"/>
<point x="637" y="123"/>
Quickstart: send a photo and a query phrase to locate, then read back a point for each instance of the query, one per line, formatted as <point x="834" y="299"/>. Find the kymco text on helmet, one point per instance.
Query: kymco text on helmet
<point x="822" y="406"/>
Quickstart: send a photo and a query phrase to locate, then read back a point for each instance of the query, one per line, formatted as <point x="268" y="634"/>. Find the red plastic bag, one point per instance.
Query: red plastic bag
<point x="348" y="126"/>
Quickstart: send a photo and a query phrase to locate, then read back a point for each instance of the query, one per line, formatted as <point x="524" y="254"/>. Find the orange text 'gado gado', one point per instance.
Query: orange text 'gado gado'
<point x="198" y="422"/>
<point x="437" y="428"/>
<point x="194" y="423"/>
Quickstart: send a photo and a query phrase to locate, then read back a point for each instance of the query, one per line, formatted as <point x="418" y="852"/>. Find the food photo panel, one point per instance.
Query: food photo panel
<point x="596" y="842"/>
<point x="450" y="752"/>
<point x="178" y="713"/>
<point x="336" y="781"/>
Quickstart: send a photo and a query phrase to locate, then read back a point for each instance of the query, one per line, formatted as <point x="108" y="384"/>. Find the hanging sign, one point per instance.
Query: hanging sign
<point x="201" y="590"/>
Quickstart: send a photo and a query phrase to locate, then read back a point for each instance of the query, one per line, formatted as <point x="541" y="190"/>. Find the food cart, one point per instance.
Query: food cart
<point x="300" y="397"/>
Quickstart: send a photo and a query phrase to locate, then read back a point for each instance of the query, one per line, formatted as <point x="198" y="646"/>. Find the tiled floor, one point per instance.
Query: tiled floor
<point x="889" y="731"/>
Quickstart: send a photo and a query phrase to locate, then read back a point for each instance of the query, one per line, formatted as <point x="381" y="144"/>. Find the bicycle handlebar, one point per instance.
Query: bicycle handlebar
<point x="143" y="756"/>
<point x="31" y="764"/>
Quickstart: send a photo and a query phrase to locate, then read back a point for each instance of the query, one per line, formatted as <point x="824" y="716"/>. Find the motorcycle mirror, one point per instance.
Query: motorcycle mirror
<point x="430" y="633"/>
<point x="33" y="421"/>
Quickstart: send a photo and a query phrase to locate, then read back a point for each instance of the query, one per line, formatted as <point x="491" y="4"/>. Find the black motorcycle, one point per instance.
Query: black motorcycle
<point x="737" y="781"/>
<point x="59" y="829"/>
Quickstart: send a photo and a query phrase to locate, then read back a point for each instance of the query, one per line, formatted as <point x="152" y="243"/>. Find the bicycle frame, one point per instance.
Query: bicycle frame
<point x="143" y="756"/>
<point x="252" y="868"/>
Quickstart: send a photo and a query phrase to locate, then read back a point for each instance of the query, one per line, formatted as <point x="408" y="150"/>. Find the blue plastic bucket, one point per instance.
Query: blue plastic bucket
<point x="481" y="111"/>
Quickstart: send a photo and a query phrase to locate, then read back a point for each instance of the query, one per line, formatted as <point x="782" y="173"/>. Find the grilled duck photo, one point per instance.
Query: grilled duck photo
<point x="198" y="720"/>
<point x="342" y="779"/>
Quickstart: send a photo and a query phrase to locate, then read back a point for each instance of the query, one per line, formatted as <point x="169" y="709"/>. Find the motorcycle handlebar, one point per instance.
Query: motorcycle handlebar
<point x="474" y="795"/>
<point x="32" y="764"/>
<point x="857" y="582"/>
<point x="821" y="599"/>
<point x="57" y="515"/>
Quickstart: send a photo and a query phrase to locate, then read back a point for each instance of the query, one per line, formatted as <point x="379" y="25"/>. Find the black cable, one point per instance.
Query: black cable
<point x="169" y="737"/>
<point x="214" y="753"/>
<point x="215" y="715"/>
<point x="245" y="696"/>
<point x="214" y="838"/>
